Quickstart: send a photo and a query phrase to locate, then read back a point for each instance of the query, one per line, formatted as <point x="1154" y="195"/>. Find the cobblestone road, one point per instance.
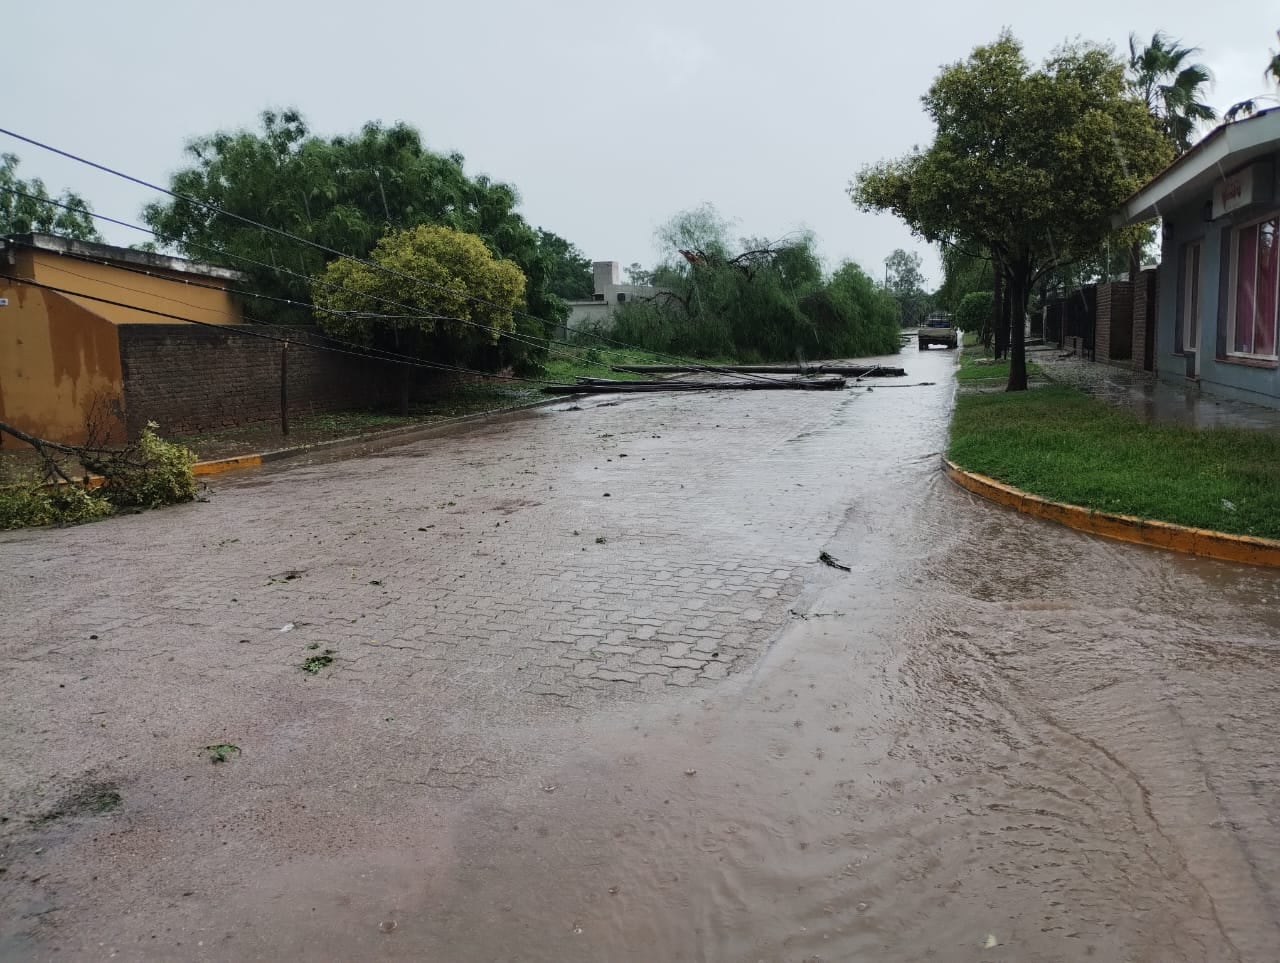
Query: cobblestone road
<point x="573" y="559"/>
<point x="593" y="697"/>
<point x="568" y="554"/>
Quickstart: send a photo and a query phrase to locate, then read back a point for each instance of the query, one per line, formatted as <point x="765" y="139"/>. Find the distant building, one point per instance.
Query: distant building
<point x="609" y="292"/>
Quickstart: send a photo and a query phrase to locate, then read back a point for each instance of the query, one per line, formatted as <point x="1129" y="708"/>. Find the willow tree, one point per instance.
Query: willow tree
<point x="1027" y="163"/>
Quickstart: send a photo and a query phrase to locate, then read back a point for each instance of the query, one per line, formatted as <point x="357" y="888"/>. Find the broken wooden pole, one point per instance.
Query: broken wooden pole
<point x="595" y="386"/>
<point x="850" y="370"/>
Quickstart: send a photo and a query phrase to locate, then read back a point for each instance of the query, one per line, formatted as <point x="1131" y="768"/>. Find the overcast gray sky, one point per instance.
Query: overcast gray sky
<point x="608" y="117"/>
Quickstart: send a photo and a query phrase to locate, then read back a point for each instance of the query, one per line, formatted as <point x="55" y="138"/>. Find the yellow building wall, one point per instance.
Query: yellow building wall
<point x="166" y="294"/>
<point x="58" y="362"/>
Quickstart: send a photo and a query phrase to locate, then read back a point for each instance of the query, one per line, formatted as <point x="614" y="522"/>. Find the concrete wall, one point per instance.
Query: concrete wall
<point x="585" y="314"/>
<point x="1254" y="381"/>
<point x="188" y="378"/>
<point x="58" y="362"/>
<point x="161" y="291"/>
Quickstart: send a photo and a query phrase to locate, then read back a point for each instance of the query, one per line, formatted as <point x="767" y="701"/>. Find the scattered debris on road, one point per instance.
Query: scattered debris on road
<point x="220" y="752"/>
<point x="315" y="663"/>
<point x="826" y="559"/>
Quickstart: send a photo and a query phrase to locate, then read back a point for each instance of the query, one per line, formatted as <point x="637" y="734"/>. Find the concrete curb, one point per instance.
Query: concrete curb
<point x="1124" y="528"/>
<point x="391" y="436"/>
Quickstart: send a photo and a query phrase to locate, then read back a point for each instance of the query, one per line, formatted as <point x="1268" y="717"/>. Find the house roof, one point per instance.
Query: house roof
<point x="1222" y="151"/>
<point x="120" y="255"/>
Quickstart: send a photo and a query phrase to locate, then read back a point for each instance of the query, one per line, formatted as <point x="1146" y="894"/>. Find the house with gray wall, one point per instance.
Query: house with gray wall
<point x="609" y="292"/>
<point x="1218" y="292"/>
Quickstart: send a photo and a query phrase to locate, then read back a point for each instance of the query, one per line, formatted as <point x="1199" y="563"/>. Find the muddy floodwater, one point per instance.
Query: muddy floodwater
<point x="991" y="739"/>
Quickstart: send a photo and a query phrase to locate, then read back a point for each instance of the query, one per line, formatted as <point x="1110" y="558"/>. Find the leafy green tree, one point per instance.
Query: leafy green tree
<point x="905" y="281"/>
<point x="638" y="274"/>
<point x="1028" y="163"/>
<point x="1160" y="75"/>
<point x="902" y="272"/>
<point x="462" y="303"/>
<point x="975" y="313"/>
<point x="569" y="269"/>
<point x="27" y="207"/>
<point x="345" y="193"/>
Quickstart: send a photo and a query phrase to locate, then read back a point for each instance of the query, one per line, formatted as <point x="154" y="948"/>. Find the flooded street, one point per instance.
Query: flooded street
<point x="594" y="698"/>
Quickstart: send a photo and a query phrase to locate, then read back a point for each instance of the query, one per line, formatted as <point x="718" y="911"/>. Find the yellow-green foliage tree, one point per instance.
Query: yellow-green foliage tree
<point x="461" y="299"/>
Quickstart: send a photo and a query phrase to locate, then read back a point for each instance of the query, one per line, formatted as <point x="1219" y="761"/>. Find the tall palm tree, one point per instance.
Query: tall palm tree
<point x="1161" y="75"/>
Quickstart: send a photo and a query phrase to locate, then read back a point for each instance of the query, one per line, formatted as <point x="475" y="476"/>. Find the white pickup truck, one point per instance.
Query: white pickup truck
<point x="937" y="329"/>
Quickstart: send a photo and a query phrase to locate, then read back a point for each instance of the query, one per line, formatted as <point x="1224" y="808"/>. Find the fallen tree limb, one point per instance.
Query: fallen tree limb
<point x="43" y="447"/>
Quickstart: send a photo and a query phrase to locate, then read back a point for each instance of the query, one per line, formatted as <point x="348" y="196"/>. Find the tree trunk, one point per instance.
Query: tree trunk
<point x="1018" y="292"/>
<point x="1005" y="315"/>
<point x="997" y="310"/>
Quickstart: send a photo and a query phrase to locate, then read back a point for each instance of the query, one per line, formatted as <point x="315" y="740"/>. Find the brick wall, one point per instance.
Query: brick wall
<point x="1144" y="319"/>
<point x="1115" y="322"/>
<point x="190" y="378"/>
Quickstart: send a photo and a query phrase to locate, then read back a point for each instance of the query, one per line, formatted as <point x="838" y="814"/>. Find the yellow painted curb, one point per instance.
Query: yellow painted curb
<point x="1124" y="528"/>
<point x="219" y="465"/>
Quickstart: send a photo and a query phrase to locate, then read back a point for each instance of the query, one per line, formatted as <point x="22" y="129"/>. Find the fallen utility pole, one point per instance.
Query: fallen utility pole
<point x="851" y="370"/>
<point x="596" y="386"/>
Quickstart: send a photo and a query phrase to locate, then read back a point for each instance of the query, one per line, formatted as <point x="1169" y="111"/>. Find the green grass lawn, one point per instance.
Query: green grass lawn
<point x="1059" y="443"/>
<point x="976" y="365"/>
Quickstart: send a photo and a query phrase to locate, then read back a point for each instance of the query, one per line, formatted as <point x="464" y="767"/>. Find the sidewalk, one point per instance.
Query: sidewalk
<point x="1141" y="393"/>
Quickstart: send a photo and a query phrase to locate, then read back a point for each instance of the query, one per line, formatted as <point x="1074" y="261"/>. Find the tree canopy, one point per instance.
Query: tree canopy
<point x="754" y="298"/>
<point x="26" y="206"/>
<point x="569" y="270"/>
<point x="1028" y="164"/>
<point x="963" y="272"/>
<point x="461" y="301"/>
<point x="905" y="282"/>
<point x="345" y="193"/>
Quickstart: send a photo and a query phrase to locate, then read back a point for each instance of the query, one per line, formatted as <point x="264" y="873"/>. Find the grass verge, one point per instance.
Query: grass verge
<point x="1061" y="444"/>
<point x="976" y="365"/>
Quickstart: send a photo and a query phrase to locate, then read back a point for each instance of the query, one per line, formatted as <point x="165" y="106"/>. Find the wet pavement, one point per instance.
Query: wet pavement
<point x="1151" y="399"/>
<point x="648" y="726"/>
